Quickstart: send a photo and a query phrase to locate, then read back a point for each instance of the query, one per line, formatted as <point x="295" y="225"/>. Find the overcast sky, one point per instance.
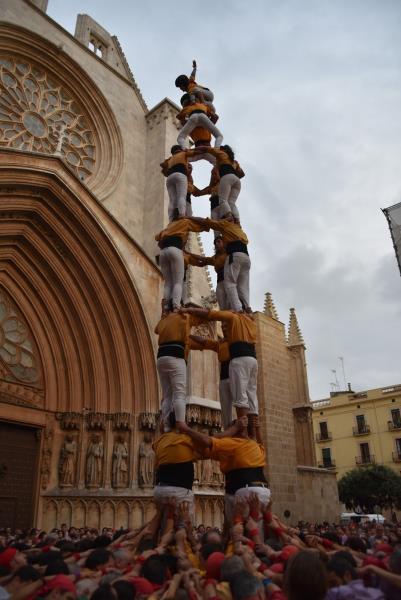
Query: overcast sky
<point x="309" y="96"/>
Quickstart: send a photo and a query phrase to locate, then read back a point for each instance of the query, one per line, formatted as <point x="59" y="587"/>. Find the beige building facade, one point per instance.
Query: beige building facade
<point x="358" y="429"/>
<point x="81" y="197"/>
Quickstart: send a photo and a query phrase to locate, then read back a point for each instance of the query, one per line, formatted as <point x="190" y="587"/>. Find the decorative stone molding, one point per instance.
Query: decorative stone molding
<point x="121" y="421"/>
<point x="56" y="109"/>
<point x="148" y="420"/>
<point x="47" y="451"/>
<point x="96" y="421"/>
<point x="203" y="415"/>
<point x="69" y="420"/>
<point x="19" y="357"/>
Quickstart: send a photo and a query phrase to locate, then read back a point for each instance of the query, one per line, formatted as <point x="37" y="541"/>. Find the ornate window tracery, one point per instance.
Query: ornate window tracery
<point x="38" y="114"/>
<point x="17" y="348"/>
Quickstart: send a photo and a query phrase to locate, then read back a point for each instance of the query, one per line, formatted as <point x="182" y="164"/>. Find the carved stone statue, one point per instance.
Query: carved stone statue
<point x="67" y="461"/>
<point x="217" y="477"/>
<point x="146" y="461"/>
<point x="120" y="462"/>
<point x="207" y="472"/>
<point x="94" y="461"/>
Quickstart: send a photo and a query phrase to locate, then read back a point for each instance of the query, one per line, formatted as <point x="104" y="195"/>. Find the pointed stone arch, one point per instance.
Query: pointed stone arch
<point x="62" y="268"/>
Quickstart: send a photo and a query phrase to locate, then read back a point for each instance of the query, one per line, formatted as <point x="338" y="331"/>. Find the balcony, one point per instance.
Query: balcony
<point x="324" y="437"/>
<point x="397" y="457"/>
<point x="394" y="425"/>
<point x="365" y="460"/>
<point x="327" y="464"/>
<point x="361" y="430"/>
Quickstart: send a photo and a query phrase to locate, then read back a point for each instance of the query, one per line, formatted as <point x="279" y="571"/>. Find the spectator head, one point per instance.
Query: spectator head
<point x="59" y="588"/>
<point x="25" y="574"/>
<point x="356" y="543"/>
<point x="213" y="565"/>
<point x="86" y="587"/>
<point x="211" y="537"/>
<point x="122" y="558"/>
<point x="245" y="586"/>
<point x="208" y="549"/>
<point x="346" y="555"/>
<point x="305" y="577"/>
<point x="340" y="571"/>
<point x="230" y="567"/>
<point x="99" y="558"/>
<point x="12" y="559"/>
<point x="57" y="567"/>
<point x="154" y="570"/>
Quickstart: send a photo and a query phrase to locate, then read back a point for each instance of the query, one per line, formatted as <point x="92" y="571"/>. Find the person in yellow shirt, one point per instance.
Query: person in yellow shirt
<point x="230" y="174"/>
<point x="242" y="461"/>
<point x="189" y="85"/>
<point x="238" y="263"/>
<point x="241" y="335"/>
<point x="173" y="330"/>
<point x="217" y="261"/>
<point x="193" y="115"/>
<point x="213" y="190"/>
<point x="171" y="241"/>
<point x="222" y="349"/>
<point x="175" y="454"/>
<point x="176" y="169"/>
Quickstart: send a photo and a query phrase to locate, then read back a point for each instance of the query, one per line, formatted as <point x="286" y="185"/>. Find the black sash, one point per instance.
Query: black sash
<point x="214" y="201"/>
<point x="238" y="349"/>
<point x="226" y="169"/>
<point x="180" y="168"/>
<point x="239" y="478"/>
<point x="177" y="474"/>
<point x="176" y="349"/>
<point x="171" y="240"/>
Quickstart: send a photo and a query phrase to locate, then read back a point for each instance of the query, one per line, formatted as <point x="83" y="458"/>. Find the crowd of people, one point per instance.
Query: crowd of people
<point x="168" y="558"/>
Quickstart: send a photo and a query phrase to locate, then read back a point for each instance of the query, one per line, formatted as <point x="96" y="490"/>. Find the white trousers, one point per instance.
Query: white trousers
<point x="208" y="96"/>
<point x="199" y="120"/>
<point x="221" y="295"/>
<point x="172" y="266"/>
<point x="188" y="209"/>
<point x="264" y="495"/>
<point x="177" y="186"/>
<point x="173" y="380"/>
<point x="243" y="382"/>
<point x="225" y="402"/>
<point x="215" y="214"/>
<point x="229" y="189"/>
<point x="162" y="493"/>
<point x="236" y="281"/>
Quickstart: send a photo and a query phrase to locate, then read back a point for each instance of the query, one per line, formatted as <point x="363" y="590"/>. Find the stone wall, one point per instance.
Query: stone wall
<point x="317" y="496"/>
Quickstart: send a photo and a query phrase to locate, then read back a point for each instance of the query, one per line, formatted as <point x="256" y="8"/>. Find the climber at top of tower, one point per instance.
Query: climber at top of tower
<point x="199" y="92"/>
<point x="196" y="114"/>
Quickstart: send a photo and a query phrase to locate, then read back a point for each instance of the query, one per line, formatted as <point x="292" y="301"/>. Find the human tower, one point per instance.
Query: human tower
<point x="238" y="448"/>
<point x="236" y="351"/>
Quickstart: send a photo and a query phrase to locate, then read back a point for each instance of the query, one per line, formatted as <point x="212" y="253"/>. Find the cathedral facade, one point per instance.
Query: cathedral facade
<point x="81" y="198"/>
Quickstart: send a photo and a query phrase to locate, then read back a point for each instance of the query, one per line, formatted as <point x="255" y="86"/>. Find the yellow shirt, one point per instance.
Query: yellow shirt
<point x="222" y="158"/>
<point x="231" y="232"/>
<point x="237" y="453"/>
<point x="172" y="447"/>
<point x="200" y="134"/>
<point x="176" y="327"/>
<point x="220" y="346"/>
<point x="217" y="261"/>
<point x="179" y="158"/>
<point x="188" y="110"/>
<point x="181" y="228"/>
<point x="240" y="326"/>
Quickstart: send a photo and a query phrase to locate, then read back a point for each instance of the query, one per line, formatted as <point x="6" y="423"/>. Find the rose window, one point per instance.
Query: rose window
<point x="37" y="114"/>
<point x="17" y="351"/>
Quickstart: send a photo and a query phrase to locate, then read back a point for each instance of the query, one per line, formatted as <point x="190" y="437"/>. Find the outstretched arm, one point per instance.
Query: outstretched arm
<point x="202" y="313"/>
<point x="193" y="72"/>
<point x="201" y="439"/>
